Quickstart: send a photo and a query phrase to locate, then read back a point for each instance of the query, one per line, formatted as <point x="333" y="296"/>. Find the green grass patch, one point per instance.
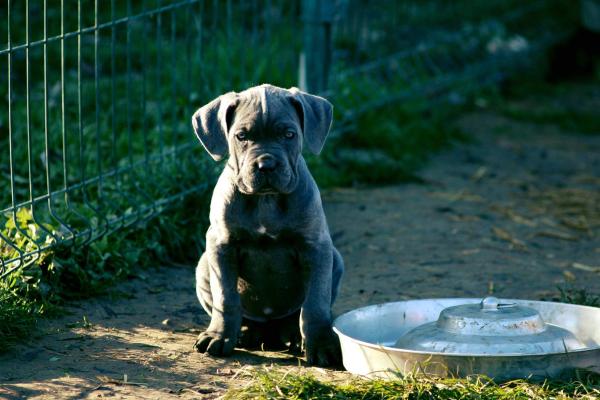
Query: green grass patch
<point x="568" y="120"/>
<point x="572" y="106"/>
<point x="70" y="273"/>
<point x="275" y="384"/>
<point x="577" y="295"/>
<point x="18" y="314"/>
<point x="385" y="145"/>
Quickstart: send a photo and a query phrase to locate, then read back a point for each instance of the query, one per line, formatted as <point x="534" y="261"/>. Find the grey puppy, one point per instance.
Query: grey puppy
<point x="269" y="255"/>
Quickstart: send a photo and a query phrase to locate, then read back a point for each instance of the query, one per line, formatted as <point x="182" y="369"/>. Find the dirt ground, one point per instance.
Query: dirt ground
<point x="515" y="212"/>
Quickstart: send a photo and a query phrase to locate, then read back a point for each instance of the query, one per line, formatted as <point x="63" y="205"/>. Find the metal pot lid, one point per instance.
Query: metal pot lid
<point x="491" y="327"/>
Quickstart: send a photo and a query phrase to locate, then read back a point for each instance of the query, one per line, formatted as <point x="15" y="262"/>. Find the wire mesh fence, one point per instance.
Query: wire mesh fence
<point x="95" y="136"/>
<point x="97" y="95"/>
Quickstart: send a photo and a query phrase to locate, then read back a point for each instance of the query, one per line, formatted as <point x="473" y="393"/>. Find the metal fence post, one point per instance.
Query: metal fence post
<point x="315" y="58"/>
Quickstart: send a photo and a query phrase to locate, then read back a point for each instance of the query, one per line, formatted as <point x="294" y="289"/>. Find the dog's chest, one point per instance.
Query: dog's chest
<point x="264" y="216"/>
<point x="271" y="278"/>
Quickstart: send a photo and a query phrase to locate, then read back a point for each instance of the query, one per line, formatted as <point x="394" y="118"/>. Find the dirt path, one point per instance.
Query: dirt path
<point x="514" y="213"/>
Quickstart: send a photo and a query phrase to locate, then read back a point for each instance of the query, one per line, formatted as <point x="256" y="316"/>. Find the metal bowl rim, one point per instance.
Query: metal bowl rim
<point x="429" y="353"/>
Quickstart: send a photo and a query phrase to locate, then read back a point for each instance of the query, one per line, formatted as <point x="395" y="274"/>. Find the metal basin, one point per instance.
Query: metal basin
<point x="368" y="336"/>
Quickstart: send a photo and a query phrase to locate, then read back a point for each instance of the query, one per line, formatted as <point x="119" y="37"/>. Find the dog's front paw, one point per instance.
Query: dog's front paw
<point x="323" y="350"/>
<point x="215" y="344"/>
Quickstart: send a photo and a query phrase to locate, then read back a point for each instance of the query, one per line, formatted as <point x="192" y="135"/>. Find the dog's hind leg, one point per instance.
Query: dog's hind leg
<point x="288" y="332"/>
<point x="275" y="335"/>
<point x="203" y="284"/>
<point x="336" y="274"/>
<point x="251" y="334"/>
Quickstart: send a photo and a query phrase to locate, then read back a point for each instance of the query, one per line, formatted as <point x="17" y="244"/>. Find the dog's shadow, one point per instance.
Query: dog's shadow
<point x="252" y="358"/>
<point x="266" y="356"/>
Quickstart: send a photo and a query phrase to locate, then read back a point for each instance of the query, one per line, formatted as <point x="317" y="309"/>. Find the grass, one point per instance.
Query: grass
<point x="383" y="150"/>
<point x="67" y="273"/>
<point x="570" y="120"/>
<point x="282" y="383"/>
<point x="569" y="114"/>
<point x="274" y="383"/>
<point x="576" y="295"/>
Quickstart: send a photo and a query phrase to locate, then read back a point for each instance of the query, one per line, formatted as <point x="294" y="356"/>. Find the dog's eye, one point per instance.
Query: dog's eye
<point x="289" y="134"/>
<point x="241" y="135"/>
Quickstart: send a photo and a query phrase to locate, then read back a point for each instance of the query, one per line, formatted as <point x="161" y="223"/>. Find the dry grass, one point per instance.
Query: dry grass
<point x="577" y="209"/>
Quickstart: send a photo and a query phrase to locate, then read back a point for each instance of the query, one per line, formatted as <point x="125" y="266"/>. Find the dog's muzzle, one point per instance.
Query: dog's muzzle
<point x="266" y="174"/>
<point x="266" y="164"/>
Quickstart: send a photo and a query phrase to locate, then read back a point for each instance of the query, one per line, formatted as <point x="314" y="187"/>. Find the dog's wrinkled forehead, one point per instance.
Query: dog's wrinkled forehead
<point x="264" y="107"/>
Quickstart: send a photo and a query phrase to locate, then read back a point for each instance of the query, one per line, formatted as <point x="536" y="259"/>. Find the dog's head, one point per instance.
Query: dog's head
<point x="264" y="129"/>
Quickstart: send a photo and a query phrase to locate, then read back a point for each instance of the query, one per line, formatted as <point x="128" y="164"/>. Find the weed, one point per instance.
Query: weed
<point x="570" y="106"/>
<point x="385" y="145"/>
<point x="68" y="272"/>
<point x="275" y="384"/>
<point x="581" y="296"/>
<point x="84" y="323"/>
<point x="570" y="118"/>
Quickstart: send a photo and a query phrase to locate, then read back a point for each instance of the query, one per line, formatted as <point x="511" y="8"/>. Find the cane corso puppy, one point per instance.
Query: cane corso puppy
<point x="269" y="257"/>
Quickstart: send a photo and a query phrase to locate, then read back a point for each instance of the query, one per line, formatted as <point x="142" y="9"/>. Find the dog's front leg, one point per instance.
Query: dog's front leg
<point x="220" y="337"/>
<point x="320" y="342"/>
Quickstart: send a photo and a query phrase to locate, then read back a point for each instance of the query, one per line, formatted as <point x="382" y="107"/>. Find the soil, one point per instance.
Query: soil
<point x="514" y="212"/>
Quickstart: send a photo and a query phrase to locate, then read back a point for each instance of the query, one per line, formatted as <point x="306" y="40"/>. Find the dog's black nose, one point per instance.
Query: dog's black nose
<point x="266" y="163"/>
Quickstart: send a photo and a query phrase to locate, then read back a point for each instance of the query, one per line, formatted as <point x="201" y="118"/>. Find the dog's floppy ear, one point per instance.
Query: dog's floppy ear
<point x="211" y="123"/>
<point x="316" y="116"/>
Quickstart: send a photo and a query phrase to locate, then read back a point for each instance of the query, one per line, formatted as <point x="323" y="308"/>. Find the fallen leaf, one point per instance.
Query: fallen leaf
<point x="460" y="195"/>
<point x="557" y="235"/>
<point x="505" y="235"/>
<point x="225" y="371"/>
<point x="569" y="275"/>
<point x="548" y="221"/>
<point x="502" y="234"/>
<point x="468" y="252"/>
<point x="464" y="218"/>
<point x="579" y="223"/>
<point x="521" y="220"/>
<point x="106" y="379"/>
<point x="584" y="267"/>
<point x="479" y="174"/>
<point x="513" y="215"/>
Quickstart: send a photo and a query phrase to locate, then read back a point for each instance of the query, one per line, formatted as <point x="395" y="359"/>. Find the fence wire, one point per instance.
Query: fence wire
<point x="97" y="95"/>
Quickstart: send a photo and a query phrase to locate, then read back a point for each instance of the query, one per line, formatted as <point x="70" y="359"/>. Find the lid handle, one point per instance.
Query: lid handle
<point x="492" y="303"/>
